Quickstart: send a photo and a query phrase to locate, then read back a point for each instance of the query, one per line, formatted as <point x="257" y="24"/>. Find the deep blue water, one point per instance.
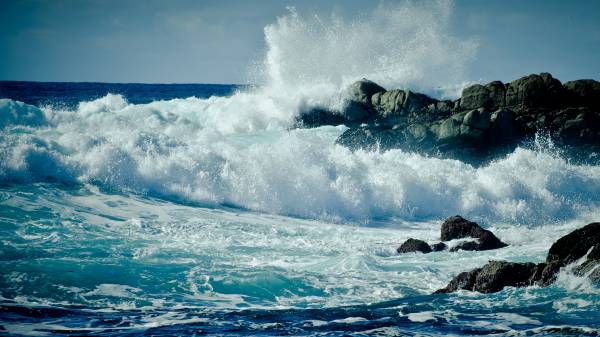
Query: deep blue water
<point x="70" y="94"/>
<point x="134" y="209"/>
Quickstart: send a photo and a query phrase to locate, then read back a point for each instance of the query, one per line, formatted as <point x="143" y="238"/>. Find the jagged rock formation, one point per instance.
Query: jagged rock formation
<point x="484" y="121"/>
<point x="495" y="275"/>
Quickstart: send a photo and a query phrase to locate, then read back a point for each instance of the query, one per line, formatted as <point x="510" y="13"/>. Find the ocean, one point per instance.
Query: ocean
<point x="155" y="218"/>
<point x="198" y="209"/>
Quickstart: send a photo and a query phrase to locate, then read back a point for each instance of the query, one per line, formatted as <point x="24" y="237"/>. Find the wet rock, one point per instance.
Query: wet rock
<point x="317" y="117"/>
<point x="464" y="280"/>
<point x="534" y="91"/>
<point x="488" y="121"/>
<point x="575" y="245"/>
<point x="358" y="107"/>
<point x="362" y="91"/>
<point x="457" y="227"/>
<point x="492" y="277"/>
<point x="583" y="243"/>
<point x="584" y="93"/>
<point x="437" y="247"/>
<point x="489" y="97"/>
<point x="414" y="245"/>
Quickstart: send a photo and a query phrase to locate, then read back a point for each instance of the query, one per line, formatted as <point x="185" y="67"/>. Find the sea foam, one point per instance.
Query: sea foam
<point x="240" y="150"/>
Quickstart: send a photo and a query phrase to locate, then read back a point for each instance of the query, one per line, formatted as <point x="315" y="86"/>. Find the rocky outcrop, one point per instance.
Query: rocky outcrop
<point x="454" y="228"/>
<point x="485" y="121"/>
<point x="583" y="243"/>
<point x="414" y="245"/>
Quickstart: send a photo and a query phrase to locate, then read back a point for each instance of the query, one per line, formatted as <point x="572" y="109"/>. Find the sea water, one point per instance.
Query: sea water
<point x="132" y="209"/>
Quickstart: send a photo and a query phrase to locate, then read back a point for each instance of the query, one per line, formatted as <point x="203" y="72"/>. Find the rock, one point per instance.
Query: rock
<point x="414" y="245"/>
<point x="416" y="102"/>
<point x="487" y="122"/>
<point x="356" y="112"/>
<point x="362" y="91"/>
<point x="584" y="93"/>
<point x="467" y="245"/>
<point x="575" y="245"/>
<point x="438" y="247"/>
<point x="495" y="275"/>
<point x="534" y="91"/>
<point x="317" y="117"/>
<point x="457" y="227"/>
<point x="464" y="280"/>
<point x="358" y="107"/>
<point x="389" y="103"/>
<point x="489" y="97"/>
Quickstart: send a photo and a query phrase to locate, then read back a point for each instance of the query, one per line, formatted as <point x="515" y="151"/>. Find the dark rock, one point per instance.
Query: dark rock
<point x="317" y="117"/>
<point x="575" y="245"/>
<point x="416" y="102"/>
<point x="487" y="122"/>
<point x="489" y="97"/>
<point x="534" y="91"/>
<point x="494" y="276"/>
<point x="362" y="91"/>
<point x="464" y="280"/>
<point x="457" y="227"/>
<point x="358" y="107"/>
<point x="437" y="247"/>
<point x="467" y="245"/>
<point x="584" y="93"/>
<point x="414" y="245"/>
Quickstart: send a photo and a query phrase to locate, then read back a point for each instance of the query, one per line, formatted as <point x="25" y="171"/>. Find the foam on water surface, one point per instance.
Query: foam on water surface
<point x="213" y="215"/>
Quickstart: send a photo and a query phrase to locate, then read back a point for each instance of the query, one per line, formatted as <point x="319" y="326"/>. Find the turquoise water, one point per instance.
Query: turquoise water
<point x="193" y="216"/>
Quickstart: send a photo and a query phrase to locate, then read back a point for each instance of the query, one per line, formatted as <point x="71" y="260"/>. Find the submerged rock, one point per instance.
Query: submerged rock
<point x="495" y="275"/>
<point x="414" y="245"/>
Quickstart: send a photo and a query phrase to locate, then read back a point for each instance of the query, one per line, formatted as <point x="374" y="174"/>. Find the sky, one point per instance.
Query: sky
<point x="185" y="41"/>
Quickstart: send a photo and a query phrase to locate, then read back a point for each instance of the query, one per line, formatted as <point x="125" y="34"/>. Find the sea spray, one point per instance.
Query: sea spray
<point x="175" y="149"/>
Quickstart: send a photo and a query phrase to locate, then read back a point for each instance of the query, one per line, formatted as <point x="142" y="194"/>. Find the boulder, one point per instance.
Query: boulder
<point x="489" y="97"/>
<point x="358" y="107"/>
<point x="464" y="280"/>
<point x="535" y="92"/>
<point x="457" y="227"/>
<point x="362" y="91"/>
<point x="575" y="245"/>
<point x="414" y="245"/>
<point x="389" y="103"/>
<point x="492" y="277"/>
<point x="584" y="93"/>
<point x="583" y="243"/>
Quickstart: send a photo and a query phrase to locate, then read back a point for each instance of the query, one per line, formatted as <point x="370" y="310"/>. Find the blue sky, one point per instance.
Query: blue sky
<point x="216" y="41"/>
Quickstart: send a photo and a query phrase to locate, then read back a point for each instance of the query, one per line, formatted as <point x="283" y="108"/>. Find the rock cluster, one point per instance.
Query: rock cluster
<point x="485" y="120"/>
<point x="583" y="243"/>
<point x="456" y="227"/>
